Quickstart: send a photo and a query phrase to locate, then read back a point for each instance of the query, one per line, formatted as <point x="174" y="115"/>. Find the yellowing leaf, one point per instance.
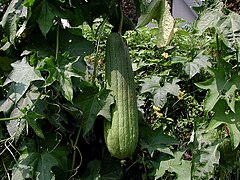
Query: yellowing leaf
<point x="166" y="25"/>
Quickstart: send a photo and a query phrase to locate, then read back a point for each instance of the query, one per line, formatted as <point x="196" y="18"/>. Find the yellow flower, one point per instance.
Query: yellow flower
<point x="165" y="55"/>
<point x="157" y="111"/>
<point x="155" y="108"/>
<point x="181" y="94"/>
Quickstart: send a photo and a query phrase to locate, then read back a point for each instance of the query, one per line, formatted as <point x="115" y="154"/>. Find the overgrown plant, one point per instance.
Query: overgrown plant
<point x="54" y="99"/>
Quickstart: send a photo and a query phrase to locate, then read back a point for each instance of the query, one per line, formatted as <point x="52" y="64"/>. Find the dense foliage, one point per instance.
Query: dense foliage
<point x="53" y="95"/>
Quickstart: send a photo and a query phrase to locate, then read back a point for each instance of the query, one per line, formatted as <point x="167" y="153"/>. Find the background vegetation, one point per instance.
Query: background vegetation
<point x="53" y="98"/>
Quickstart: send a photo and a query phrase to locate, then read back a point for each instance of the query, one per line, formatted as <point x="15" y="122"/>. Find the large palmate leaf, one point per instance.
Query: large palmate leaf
<point x="22" y="75"/>
<point x="20" y="80"/>
<point x="93" y="103"/>
<point x="209" y="18"/>
<point x="155" y="140"/>
<point x="159" y="93"/>
<point x="22" y="112"/>
<point x="166" y="25"/>
<point x="205" y="152"/>
<point x="10" y="19"/>
<point x="231" y="119"/>
<point x="61" y="70"/>
<point x="193" y="67"/>
<point x="181" y="167"/>
<point x="199" y="62"/>
<point x="38" y="164"/>
<point x="222" y="85"/>
<point x="228" y="28"/>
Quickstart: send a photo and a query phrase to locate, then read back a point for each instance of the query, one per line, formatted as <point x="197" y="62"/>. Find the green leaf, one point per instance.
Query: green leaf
<point x="10" y="19"/>
<point x="93" y="103"/>
<point x="39" y="164"/>
<point x="22" y="75"/>
<point x="155" y="140"/>
<point x="228" y="28"/>
<point x="181" y="167"/>
<point x="199" y="62"/>
<point x="61" y="70"/>
<point x="31" y="99"/>
<point x="108" y="101"/>
<point x="209" y="18"/>
<point x="223" y="84"/>
<point x="166" y="25"/>
<point x="47" y="14"/>
<point x="151" y="12"/>
<point x="231" y="119"/>
<point x="5" y="64"/>
<point x="75" y="45"/>
<point x="150" y="84"/>
<point x="93" y="170"/>
<point x="28" y="3"/>
<point x="193" y="67"/>
<point x="110" y="168"/>
<point x="205" y="152"/>
<point x="32" y="118"/>
<point x="160" y="96"/>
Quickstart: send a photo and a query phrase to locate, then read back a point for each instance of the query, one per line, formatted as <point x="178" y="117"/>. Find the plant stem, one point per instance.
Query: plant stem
<point x="121" y="20"/>
<point x="98" y="37"/>
<point x="74" y="147"/>
<point x="57" y="41"/>
<point x="5" y="168"/>
<point x="218" y="50"/>
<point x="96" y="61"/>
<point x="237" y="57"/>
<point x="11" y="118"/>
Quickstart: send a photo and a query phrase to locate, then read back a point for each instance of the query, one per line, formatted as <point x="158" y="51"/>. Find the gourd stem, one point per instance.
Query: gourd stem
<point x="121" y="19"/>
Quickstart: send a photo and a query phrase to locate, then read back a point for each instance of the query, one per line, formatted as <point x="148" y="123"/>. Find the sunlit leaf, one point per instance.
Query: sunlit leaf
<point x="209" y="18"/>
<point x="205" y="153"/>
<point x="181" y="167"/>
<point x="152" y="11"/>
<point x="223" y="84"/>
<point x="160" y="96"/>
<point x="152" y="85"/>
<point x="11" y="17"/>
<point x="199" y="62"/>
<point x="39" y="165"/>
<point x="22" y="75"/>
<point x="231" y="119"/>
<point x="228" y="28"/>
<point x="166" y="25"/>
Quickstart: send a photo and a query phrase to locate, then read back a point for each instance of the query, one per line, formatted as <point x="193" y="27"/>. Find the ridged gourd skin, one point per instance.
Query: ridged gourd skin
<point x="121" y="134"/>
